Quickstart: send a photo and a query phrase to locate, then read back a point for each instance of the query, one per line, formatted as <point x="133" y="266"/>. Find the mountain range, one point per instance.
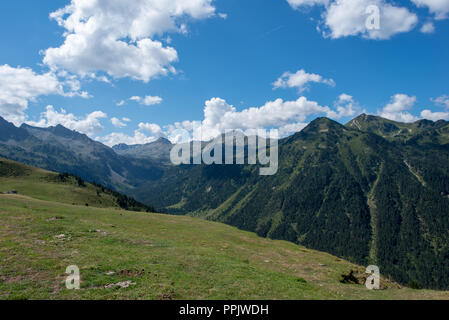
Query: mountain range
<point x="62" y="150"/>
<point x="158" y="150"/>
<point x="372" y="191"/>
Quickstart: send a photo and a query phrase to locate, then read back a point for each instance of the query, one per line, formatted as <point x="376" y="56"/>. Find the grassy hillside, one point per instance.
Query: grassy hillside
<point x="372" y="192"/>
<point x="162" y="257"/>
<point x="45" y="185"/>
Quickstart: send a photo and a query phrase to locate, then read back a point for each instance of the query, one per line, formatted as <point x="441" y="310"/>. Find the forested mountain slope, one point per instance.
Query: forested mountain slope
<point x="339" y="189"/>
<point x="373" y="191"/>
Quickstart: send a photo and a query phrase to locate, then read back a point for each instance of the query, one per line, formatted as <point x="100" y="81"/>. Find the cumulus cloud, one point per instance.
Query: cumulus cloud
<point x="119" y="123"/>
<point x="152" y="128"/>
<point x="295" y="4"/>
<point x="117" y="37"/>
<point x="440" y="8"/>
<point x="397" y="109"/>
<point x="300" y="80"/>
<point x="345" y="18"/>
<point x="146" y="133"/>
<point x="349" y="18"/>
<point x="442" y="101"/>
<point x="286" y="116"/>
<point x="400" y="104"/>
<point x="435" y="116"/>
<point x="176" y="132"/>
<point x="220" y="116"/>
<point x="73" y="84"/>
<point x="19" y="87"/>
<point x="428" y="27"/>
<point x="345" y="106"/>
<point x="148" y="100"/>
<point x="115" y="138"/>
<point x="89" y="125"/>
<point x="135" y="98"/>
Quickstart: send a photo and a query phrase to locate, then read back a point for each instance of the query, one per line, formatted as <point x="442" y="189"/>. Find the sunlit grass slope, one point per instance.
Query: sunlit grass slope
<point x="45" y="185"/>
<point x="158" y="256"/>
<point x="164" y="257"/>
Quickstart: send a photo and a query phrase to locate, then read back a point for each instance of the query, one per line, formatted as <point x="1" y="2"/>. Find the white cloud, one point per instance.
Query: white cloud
<point x="121" y="103"/>
<point x="400" y="102"/>
<point x="220" y="116"/>
<point x="435" y="116"/>
<point x="152" y="128"/>
<point x="286" y="116"/>
<point x="89" y="125"/>
<point x="442" y="100"/>
<point x="146" y="133"/>
<point x="116" y="37"/>
<point x="118" y="123"/>
<point x="135" y="98"/>
<point x="118" y="138"/>
<point x="300" y="79"/>
<point x="428" y="27"/>
<point x="173" y="133"/>
<point x="345" y="18"/>
<point x="400" y="117"/>
<point x="396" y="110"/>
<point x="148" y="100"/>
<point x="295" y="4"/>
<point x="19" y="87"/>
<point x="349" y="18"/>
<point x="440" y="8"/>
<point x="73" y="84"/>
<point x="345" y="107"/>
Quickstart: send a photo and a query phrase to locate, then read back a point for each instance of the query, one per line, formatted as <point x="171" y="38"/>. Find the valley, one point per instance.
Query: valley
<point x="373" y="191"/>
<point x="160" y="257"/>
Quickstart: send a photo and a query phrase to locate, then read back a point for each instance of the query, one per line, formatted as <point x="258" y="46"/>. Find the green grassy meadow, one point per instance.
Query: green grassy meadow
<point x="46" y="227"/>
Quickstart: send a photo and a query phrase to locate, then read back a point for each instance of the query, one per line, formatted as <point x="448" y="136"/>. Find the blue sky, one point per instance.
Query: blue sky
<point x="209" y="62"/>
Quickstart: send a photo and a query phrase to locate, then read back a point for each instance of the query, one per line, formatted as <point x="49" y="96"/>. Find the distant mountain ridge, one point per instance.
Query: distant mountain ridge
<point x="400" y="131"/>
<point x="373" y="191"/>
<point x="158" y="150"/>
<point x="63" y="150"/>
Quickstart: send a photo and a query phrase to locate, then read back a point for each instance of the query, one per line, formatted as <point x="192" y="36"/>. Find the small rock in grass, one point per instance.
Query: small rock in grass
<point x="120" y="285"/>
